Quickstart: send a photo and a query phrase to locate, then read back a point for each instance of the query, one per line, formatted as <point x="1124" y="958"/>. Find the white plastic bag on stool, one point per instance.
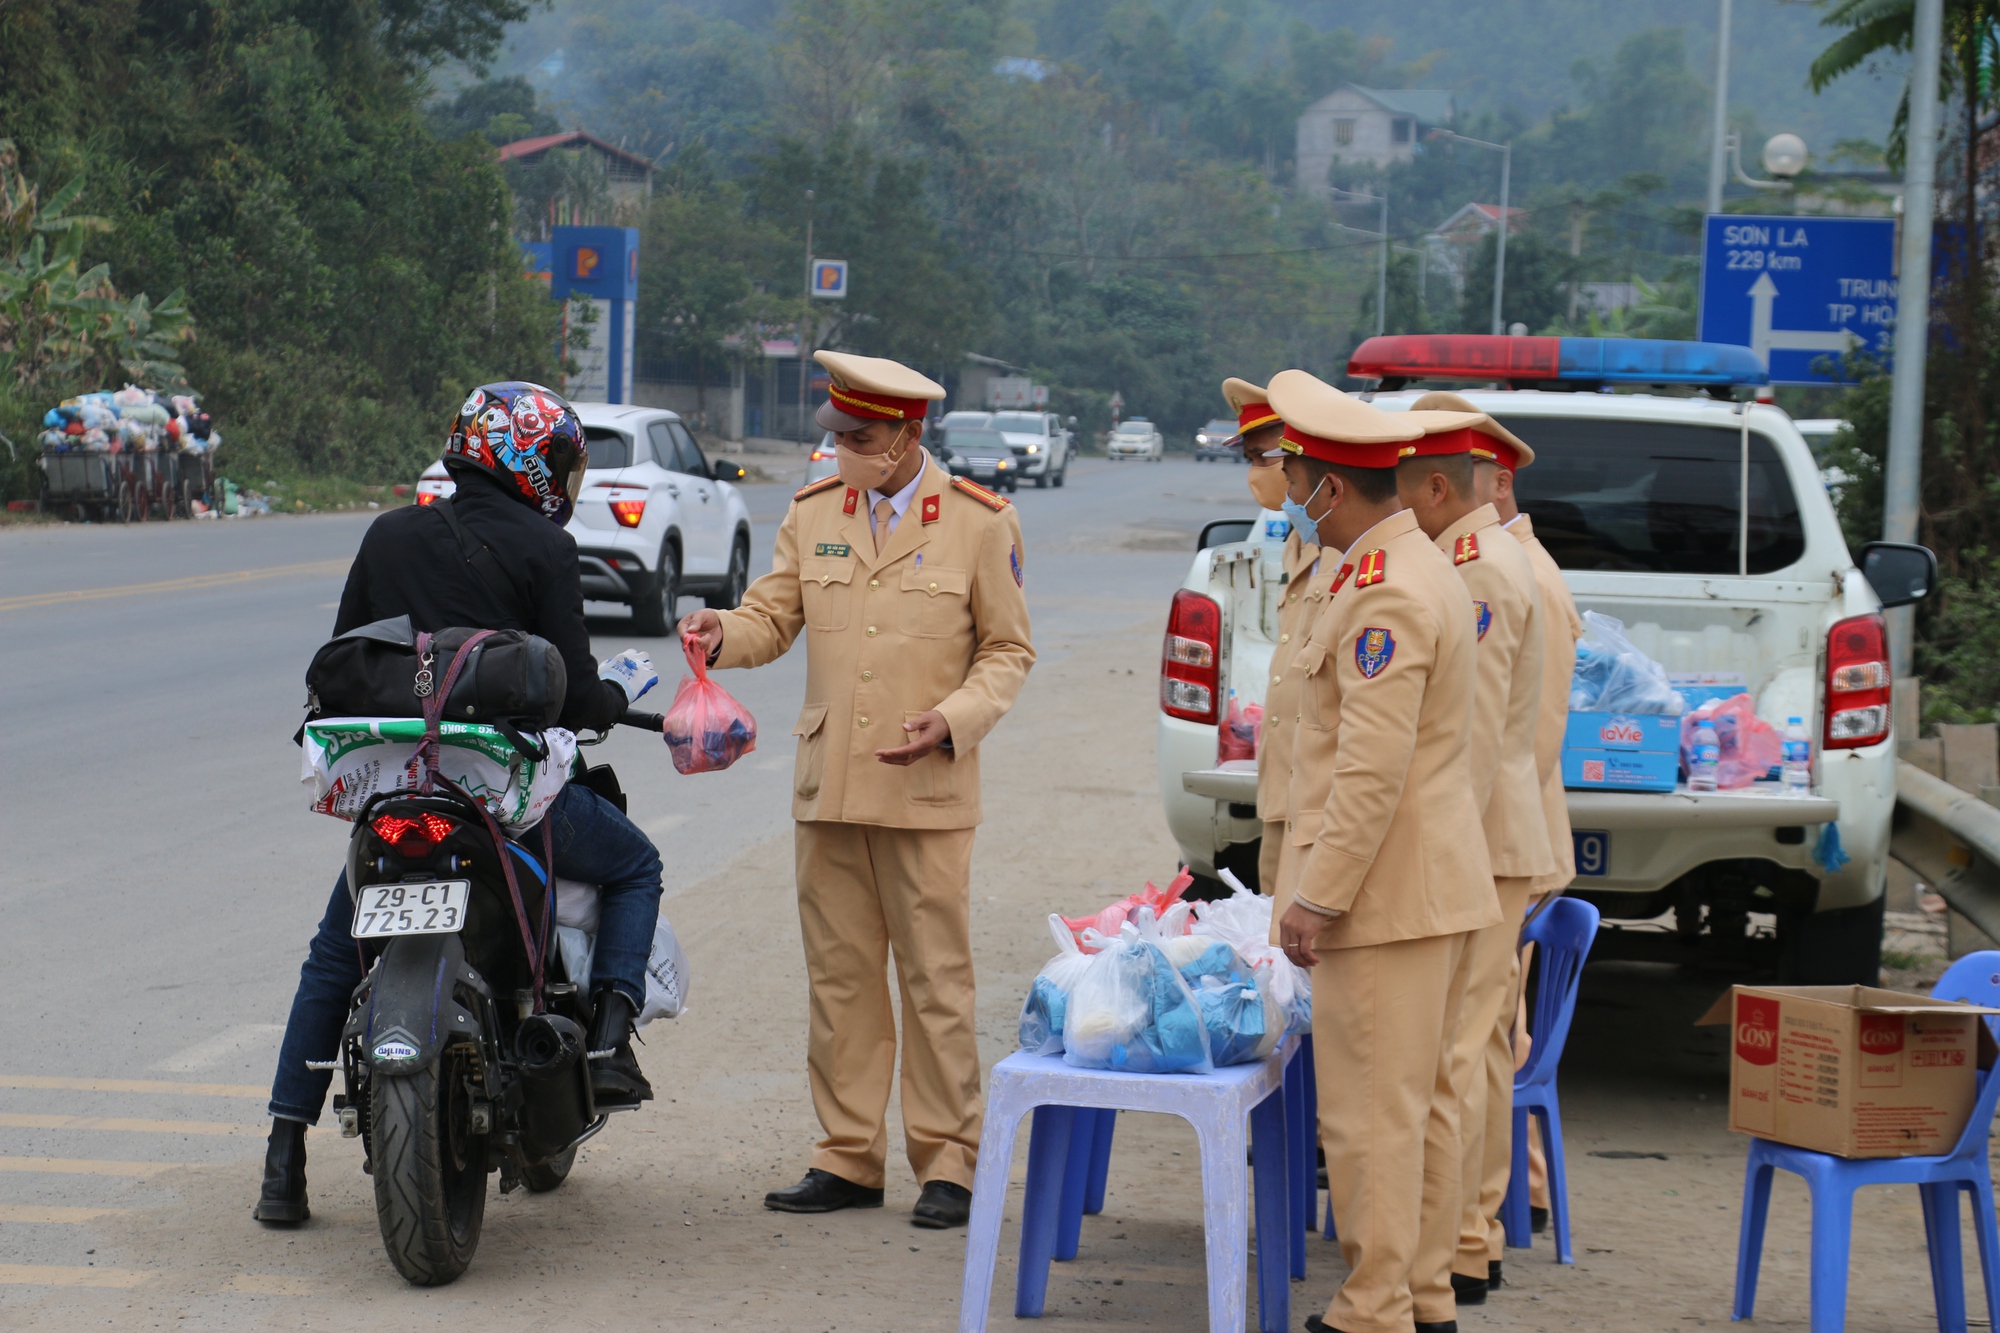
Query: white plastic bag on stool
<point x="1043" y="1013"/>
<point x="1243" y="920"/>
<point x="1132" y="1011"/>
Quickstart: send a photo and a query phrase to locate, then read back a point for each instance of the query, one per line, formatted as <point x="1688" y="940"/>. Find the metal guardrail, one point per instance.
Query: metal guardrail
<point x="1952" y="839"/>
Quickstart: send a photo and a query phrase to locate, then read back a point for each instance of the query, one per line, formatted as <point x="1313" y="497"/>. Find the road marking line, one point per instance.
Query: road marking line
<point x="212" y="1051"/>
<point x="161" y="1086"/>
<point x="84" y="1166"/>
<point x="54" y="1275"/>
<point x="124" y="1126"/>
<point x="271" y="1284"/>
<point x="191" y="583"/>
<point x="22" y="1212"/>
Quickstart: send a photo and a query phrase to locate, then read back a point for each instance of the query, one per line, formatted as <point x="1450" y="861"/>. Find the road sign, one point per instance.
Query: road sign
<point x="1798" y="289"/>
<point x="829" y="278"/>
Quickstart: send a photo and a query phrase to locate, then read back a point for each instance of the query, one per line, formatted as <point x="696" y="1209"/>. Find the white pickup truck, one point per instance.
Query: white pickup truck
<point x="1644" y="501"/>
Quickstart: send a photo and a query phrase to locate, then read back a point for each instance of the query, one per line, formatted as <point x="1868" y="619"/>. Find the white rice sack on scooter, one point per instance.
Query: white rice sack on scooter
<point x="1044" y="1011"/>
<point x="1243" y="919"/>
<point x="1131" y="1011"/>
<point x="347" y="760"/>
<point x="576" y="938"/>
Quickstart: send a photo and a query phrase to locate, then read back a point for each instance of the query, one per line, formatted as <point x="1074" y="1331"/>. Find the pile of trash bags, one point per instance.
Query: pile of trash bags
<point x="1613" y="676"/>
<point x="131" y="420"/>
<point x="1186" y="988"/>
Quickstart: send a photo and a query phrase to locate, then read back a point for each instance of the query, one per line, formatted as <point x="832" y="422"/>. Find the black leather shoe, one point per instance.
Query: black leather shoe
<point x="1538" y="1219"/>
<point x="283" y="1201"/>
<point x="1442" y="1326"/>
<point x="1493" y="1282"/>
<point x="942" y="1205"/>
<point x="615" y="1079"/>
<point x="1314" y="1324"/>
<point x="1469" y="1290"/>
<point x="822" y="1192"/>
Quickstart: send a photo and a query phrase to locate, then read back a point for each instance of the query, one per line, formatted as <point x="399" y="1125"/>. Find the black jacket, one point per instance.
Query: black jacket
<point x="411" y="564"/>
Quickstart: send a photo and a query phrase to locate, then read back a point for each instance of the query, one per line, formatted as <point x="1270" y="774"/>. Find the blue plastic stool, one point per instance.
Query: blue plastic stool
<point x="1073" y="1112"/>
<point x="1561" y="933"/>
<point x="1832" y="1181"/>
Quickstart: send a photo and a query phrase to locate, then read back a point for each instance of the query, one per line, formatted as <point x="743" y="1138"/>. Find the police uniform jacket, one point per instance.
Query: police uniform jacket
<point x="1381" y="790"/>
<point x="1561" y="628"/>
<point x="1304" y="597"/>
<point x="938" y="620"/>
<point x="1505" y="704"/>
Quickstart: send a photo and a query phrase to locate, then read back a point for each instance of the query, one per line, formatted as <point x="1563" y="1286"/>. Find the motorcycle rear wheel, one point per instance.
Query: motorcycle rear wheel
<point x="430" y="1173"/>
<point x="541" y="1177"/>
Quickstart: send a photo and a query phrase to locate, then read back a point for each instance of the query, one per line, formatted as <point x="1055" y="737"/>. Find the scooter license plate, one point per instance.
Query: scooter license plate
<point x="431" y="907"/>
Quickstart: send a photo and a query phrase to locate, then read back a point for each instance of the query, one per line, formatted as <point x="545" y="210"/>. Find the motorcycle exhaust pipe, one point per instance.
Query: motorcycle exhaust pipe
<point x="555" y="1107"/>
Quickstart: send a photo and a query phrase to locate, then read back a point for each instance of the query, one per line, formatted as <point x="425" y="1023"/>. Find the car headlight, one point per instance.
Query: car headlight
<point x="1034" y="448"/>
<point x="1201" y="439"/>
<point x="1004" y="465"/>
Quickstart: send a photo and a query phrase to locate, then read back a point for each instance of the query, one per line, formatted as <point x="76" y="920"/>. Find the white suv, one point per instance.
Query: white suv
<point x="1641" y="500"/>
<point x="653" y="519"/>
<point x="1040" y="442"/>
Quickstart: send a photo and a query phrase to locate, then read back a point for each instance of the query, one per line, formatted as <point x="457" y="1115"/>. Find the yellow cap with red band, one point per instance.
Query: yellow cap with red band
<point x="1324" y="423"/>
<point x="1473" y="432"/>
<point x="872" y="388"/>
<point x="1251" y="404"/>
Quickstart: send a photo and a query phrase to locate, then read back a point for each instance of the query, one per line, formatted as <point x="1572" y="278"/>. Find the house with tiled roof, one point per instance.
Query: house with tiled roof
<point x="1376" y="126"/>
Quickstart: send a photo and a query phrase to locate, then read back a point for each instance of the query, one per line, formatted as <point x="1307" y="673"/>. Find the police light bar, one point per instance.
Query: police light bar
<point x="1555" y="362"/>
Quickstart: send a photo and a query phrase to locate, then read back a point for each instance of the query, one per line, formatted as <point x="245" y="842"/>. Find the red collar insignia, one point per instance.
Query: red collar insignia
<point x="853" y="499"/>
<point x="930" y="512"/>
<point x="1466" y="548"/>
<point x="1373" y="568"/>
<point x="1341" y="577"/>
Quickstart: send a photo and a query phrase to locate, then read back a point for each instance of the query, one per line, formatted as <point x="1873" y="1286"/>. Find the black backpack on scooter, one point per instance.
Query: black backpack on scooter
<point x="376" y="670"/>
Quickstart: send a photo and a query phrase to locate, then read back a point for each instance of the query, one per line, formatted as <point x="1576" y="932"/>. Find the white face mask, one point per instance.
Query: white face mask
<point x="868" y="472"/>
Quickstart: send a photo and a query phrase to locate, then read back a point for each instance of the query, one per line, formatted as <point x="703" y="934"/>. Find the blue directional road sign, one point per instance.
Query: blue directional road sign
<point x="1798" y="289"/>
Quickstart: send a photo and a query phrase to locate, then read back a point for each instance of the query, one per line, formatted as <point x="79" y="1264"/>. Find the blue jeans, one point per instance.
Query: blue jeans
<point x="595" y="844"/>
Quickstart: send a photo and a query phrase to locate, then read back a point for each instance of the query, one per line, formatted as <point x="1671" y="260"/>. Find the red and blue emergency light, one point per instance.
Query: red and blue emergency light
<point x="1557" y="363"/>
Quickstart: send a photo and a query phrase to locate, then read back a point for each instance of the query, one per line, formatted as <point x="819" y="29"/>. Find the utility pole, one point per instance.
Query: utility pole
<point x="1717" y="148"/>
<point x="1903" y="476"/>
<point x="1506" y="151"/>
<point x="1575" y="252"/>
<point x="803" y="336"/>
<point x="1382" y="276"/>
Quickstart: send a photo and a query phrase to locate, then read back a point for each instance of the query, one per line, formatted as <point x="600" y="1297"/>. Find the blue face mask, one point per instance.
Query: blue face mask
<point x="1303" y="523"/>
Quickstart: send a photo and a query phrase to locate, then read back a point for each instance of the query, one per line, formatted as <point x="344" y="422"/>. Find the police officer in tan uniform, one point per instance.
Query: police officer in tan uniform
<point x="1493" y="483"/>
<point x="1308" y="578"/>
<point x="1384" y="888"/>
<point x="1438" y="483"/>
<point x="908" y="584"/>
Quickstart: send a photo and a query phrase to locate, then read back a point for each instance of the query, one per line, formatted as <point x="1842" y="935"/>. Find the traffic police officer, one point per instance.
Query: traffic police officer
<point x="1439" y="484"/>
<point x="1308" y="577"/>
<point x="908" y="584"/>
<point x="1385" y="888"/>
<point x="1493" y="483"/>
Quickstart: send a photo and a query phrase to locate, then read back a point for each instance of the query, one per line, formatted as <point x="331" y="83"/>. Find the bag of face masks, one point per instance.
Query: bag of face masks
<point x="1047" y="1005"/>
<point x="1243" y="920"/>
<point x="706" y="729"/>
<point x="1132" y="1011"/>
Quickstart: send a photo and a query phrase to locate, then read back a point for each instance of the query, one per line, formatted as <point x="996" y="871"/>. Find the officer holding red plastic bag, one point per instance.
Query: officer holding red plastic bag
<point x="908" y="585"/>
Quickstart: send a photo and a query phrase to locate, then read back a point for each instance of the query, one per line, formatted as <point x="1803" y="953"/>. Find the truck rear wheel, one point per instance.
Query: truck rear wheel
<point x="1838" y="948"/>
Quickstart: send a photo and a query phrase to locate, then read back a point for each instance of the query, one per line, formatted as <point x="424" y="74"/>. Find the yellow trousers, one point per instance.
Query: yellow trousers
<point x="867" y="892"/>
<point x="1483" y="1074"/>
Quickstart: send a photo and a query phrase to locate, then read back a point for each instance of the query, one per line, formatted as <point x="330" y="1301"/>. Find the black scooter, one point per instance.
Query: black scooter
<point x="465" y="1051"/>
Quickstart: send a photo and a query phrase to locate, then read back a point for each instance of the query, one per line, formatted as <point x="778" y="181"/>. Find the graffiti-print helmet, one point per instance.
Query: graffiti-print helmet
<point x="526" y="436"/>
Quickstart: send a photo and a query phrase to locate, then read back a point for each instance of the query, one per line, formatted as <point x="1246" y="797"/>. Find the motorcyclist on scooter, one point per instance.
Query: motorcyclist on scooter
<point x="517" y="453"/>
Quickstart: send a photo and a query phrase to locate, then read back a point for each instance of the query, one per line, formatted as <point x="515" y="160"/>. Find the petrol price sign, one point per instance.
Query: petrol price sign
<point x="1800" y="292"/>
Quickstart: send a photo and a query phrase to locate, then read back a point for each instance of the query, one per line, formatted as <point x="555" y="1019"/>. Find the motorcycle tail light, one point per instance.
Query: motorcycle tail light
<point x="1857" y="683"/>
<point x="628" y="512"/>
<point x="413" y="836"/>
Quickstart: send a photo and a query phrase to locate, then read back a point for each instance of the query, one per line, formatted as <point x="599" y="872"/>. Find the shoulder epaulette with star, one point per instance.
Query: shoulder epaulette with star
<point x="814" y="488"/>
<point x="1371" y="569"/>
<point x="972" y="488"/>
<point x="1465" y="549"/>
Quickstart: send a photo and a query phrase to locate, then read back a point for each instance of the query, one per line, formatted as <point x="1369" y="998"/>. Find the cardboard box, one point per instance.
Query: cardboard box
<point x="1643" y="733"/>
<point x="1620" y="770"/>
<point x="1852" y="1070"/>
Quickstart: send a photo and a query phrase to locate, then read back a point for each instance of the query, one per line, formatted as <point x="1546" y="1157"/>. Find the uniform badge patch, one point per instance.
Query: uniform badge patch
<point x="930" y="509"/>
<point x="1341" y="578"/>
<point x="833" y="548"/>
<point x="1372" y="568"/>
<point x="1014" y="559"/>
<point x="1372" y="650"/>
<point x="853" y="499"/>
<point x="1482" y="616"/>
<point x="1465" y="549"/>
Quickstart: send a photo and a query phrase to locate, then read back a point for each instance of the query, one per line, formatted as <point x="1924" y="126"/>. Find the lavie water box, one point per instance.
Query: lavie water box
<point x="1622" y="751"/>
<point x="1851" y="1070"/>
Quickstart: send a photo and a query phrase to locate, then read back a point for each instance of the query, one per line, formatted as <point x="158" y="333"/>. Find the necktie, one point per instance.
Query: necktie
<point x="884" y="511"/>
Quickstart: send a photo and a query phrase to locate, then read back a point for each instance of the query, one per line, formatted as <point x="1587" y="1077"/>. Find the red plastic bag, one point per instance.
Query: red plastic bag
<point x="1107" y="921"/>
<point x="1751" y="747"/>
<point x="706" y="729"/>
<point x="1241" y="732"/>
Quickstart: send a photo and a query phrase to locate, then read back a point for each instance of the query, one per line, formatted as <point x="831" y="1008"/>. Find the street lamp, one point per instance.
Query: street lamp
<point x="1785" y="156"/>
<point x="1382" y="265"/>
<point x="1506" y="151"/>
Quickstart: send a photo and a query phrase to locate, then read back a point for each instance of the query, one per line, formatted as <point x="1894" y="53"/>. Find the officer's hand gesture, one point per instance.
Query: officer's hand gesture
<point x="705" y="626"/>
<point x="927" y="731"/>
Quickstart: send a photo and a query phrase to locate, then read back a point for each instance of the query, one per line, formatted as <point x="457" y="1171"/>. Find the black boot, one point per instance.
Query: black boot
<point x="283" y="1202"/>
<point x="615" y="1079"/>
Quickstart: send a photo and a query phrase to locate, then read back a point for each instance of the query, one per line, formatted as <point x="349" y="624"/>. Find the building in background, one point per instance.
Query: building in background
<point x="1451" y="245"/>
<point x="574" y="179"/>
<point x="1375" y="126"/>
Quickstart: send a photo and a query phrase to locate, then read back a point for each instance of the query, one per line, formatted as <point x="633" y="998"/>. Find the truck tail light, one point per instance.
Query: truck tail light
<point x="1189" y="674"/>
<point x="628" y="512"/>
<point x="1857" y="683"/>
